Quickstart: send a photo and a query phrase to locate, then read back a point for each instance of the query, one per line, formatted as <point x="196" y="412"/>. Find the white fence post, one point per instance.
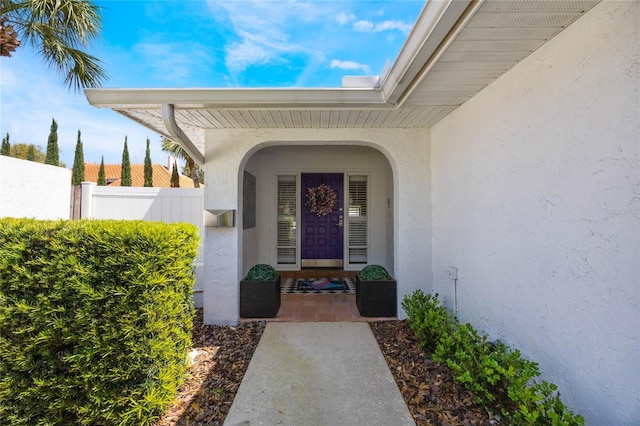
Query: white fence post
<point x="86" y="210"/>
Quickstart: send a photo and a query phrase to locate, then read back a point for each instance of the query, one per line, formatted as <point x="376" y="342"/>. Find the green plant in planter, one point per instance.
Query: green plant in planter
<point x="374" y="273"/>
<point x="376" y="292"/>
<point x="260" y="292"/>
<point x="261" y="272"/>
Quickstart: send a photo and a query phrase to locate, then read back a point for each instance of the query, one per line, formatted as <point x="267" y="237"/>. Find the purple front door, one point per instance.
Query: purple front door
<point x="322" y="236"/>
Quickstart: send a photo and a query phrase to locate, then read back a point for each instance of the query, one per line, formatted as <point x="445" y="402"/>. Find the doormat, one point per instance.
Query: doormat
<point x="318" y="286"/>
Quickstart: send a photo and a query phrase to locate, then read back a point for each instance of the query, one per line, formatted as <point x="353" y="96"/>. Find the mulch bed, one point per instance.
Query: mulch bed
<point x="221" y="356"/>
<point x="427" y="387"/>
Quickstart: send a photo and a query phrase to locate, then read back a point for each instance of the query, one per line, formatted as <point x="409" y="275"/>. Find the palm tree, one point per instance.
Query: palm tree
<point x="178" y="151"/>
<point x="58" y="29"/>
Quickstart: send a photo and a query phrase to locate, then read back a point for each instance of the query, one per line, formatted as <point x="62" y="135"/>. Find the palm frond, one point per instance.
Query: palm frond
<point x="59" y="29"/>
<point x="78" y="68"/>
<point x="174" y="149"/>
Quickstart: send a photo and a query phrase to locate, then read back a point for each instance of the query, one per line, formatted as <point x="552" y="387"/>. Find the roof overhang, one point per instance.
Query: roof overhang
<point x="456" y="48"/>
<point x="432" y="26"/>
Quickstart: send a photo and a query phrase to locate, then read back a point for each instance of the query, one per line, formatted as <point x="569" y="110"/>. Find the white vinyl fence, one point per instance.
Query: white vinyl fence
<point x="152" y="204"/>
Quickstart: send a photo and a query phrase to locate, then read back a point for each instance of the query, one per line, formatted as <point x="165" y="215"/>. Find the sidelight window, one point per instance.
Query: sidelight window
<point x="286" y="232"/>
<point x="358" y="220"/>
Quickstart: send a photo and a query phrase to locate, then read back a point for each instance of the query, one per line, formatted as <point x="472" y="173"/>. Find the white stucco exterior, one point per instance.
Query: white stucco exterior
<point x="34" y="190"/>
<point x="229" y="152"/>
<point x="530" y="186"/>
<point x="536" y="201"/>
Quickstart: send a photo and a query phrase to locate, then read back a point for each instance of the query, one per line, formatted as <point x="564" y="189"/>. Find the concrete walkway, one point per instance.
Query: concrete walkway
<point x="318" y="374"/>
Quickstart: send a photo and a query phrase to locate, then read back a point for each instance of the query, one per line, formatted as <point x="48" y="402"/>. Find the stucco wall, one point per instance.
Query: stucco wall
<point x="227" y="152"/>
<point x="536" y="200"/>
<point x="30" y="189"/>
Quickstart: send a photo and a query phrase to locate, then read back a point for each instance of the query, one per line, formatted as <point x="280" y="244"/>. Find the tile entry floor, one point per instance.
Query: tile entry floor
<point x="318" y="308"/>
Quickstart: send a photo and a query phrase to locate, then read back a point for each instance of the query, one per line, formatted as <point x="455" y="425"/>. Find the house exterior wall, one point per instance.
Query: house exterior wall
<point x="228" y="151"/>
<point x="30" y="189"/>
<point x="310" y="159"/>
<point x="536" y="202"/>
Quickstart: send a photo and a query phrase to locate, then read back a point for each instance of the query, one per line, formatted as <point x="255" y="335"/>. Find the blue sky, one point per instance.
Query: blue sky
<point x="198" y="43"/>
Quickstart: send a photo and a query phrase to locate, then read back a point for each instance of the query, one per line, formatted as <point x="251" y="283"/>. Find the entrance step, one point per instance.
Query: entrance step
<point x="318" y="308"/>
<point x="318" y="273"/>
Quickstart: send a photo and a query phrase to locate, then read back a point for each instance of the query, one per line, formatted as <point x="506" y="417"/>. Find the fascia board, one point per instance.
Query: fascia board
<point x="434" y="23"/>
<point x="235" y="98"/>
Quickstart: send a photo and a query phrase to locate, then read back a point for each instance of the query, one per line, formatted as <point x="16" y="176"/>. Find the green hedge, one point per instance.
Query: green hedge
<point x="95" y="319"/>
<point x="500" y="378"/>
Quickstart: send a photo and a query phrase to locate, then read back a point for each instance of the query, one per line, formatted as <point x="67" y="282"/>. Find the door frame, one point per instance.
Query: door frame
<point x="297" y="265"/>
<point x="323" y="263"/>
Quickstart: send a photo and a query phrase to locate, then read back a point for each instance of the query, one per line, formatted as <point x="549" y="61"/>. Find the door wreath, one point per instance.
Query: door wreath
<point x="321" y="199"/>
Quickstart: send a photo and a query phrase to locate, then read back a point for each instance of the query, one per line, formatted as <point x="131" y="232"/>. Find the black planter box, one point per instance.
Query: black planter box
<point x="376" y="298"/>
<point x="259" y="299"/>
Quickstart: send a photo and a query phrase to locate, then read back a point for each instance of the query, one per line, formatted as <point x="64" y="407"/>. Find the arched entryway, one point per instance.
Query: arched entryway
<point x="283" y="229"/>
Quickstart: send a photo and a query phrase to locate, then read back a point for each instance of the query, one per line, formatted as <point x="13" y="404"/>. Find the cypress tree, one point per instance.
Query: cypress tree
<point x="31" y="154"/>
<point x="102" y="179"/>
<point x="175" y="178"/>
<point x="125" y="173"/>
<point x="6" y="146"/>
<point x="77" y="172"/>
<point x="148" y="170"/>
<point x="53" y="154"/>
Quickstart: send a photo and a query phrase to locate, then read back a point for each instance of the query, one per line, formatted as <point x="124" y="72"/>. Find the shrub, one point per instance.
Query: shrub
<point x="540" y="405"/>
<point x="262" y="272"/>
<point x="374" y="273"/>
<point x="96" y="320"/>
<point x="499" y="377"/>
<point x="429" y="320"/>
<point x="490" y="370"/>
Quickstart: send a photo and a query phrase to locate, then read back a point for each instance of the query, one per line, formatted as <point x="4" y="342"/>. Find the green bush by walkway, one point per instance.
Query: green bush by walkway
<point x="95" y="319"/>
<point x="501" y="378"/>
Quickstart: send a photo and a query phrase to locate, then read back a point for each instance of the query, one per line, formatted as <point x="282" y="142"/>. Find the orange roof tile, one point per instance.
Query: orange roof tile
<point x="161" y="175"/>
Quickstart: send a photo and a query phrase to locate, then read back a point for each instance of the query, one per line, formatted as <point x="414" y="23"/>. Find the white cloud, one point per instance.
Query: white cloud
<point x="349" y="65"/>
<point x="401" y="26"/>
<point x="363" y="26"/>
<point x="288" y="33"/>
<point x="262" y="33"/>
<point x="241" y="55"/>
<point x="370" y="27"/>
<point x="272" y="32"/>
<point x="172" y="61"/>
<point x="344" y="18"/>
